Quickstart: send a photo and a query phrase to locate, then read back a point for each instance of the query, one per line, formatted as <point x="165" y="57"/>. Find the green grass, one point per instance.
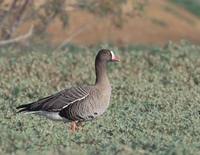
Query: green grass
<point x="154" y="108"/>
<point x="191" y="5"/>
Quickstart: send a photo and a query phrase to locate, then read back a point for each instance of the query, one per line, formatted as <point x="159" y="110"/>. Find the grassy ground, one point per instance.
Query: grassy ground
<point x="154" y="108"/>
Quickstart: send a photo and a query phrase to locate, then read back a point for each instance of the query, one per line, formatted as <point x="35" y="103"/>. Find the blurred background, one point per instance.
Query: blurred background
<point x="89" y="22"/>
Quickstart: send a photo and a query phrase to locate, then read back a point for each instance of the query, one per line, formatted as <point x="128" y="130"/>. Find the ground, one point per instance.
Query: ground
<point x="160" y="22"/>
<point x="154" y="107"/>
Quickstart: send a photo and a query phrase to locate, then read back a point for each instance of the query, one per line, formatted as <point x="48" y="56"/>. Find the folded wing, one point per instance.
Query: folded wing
<point x="56" y="102"/>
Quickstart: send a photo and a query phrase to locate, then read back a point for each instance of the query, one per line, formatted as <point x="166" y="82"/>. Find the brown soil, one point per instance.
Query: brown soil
<point x="161" y="22"/>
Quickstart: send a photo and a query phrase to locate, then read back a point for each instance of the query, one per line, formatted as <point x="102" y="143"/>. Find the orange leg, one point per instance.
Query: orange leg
<point x="73" y="126"/>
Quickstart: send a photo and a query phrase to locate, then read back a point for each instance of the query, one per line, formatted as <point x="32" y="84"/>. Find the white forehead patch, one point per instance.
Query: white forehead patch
<point x="112" y="54"/>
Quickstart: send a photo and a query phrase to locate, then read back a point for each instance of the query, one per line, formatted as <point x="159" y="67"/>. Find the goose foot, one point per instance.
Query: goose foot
<point x="75" y="126"/>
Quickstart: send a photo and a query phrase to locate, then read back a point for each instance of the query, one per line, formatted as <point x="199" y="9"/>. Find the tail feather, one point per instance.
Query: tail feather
<point x="21" y="110"/>
<point x="35" y="106"/>
<point x="24" y="108"/>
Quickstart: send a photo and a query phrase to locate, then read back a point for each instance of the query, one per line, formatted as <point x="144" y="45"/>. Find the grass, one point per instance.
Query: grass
<point x="191" y="5"/>
<point x="154" y="108"/>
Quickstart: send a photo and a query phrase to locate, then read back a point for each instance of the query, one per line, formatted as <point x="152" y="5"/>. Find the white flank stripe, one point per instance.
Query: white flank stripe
<point x="75" y="101"/>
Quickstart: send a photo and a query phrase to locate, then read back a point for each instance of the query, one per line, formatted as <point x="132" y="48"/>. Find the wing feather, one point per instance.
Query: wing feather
<point x="58" y="101"/>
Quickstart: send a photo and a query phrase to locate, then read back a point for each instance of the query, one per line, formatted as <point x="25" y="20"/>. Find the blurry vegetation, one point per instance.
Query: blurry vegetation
<point x="15" y="13"/>
<point x="192" y="5"/>
<point x="155" y="103"/>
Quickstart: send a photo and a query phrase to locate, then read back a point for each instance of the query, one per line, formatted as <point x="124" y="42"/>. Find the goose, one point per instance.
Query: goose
<point x="81" y="103"/>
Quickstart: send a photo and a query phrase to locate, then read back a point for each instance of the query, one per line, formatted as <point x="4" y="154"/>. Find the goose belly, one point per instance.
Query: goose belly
<point x="50" y="115"/>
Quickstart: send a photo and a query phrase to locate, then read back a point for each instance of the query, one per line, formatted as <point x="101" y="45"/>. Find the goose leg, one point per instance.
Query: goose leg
<point x="73" y="126"/>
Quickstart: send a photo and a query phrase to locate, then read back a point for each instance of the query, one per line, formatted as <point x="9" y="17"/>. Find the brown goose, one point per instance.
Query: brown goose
<point x="78" y="104"/>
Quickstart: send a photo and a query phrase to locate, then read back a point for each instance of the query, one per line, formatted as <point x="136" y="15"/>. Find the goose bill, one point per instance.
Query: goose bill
<point x="114" y="58"/>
